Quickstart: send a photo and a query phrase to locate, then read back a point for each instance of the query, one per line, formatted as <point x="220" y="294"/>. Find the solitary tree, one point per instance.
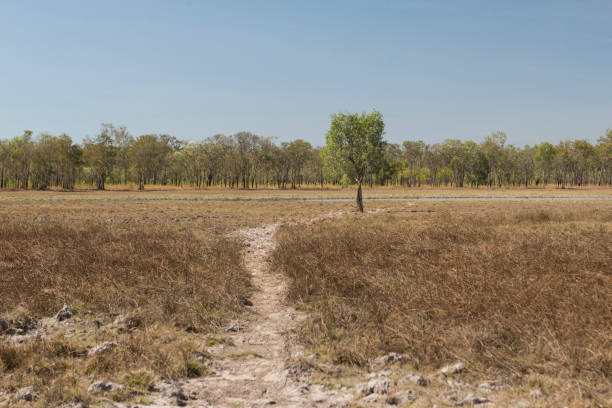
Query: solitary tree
<point x="355" y="146"/>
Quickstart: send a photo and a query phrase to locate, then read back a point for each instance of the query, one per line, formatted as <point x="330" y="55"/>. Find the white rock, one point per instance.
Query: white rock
<point x="102" y="348"/>
<point x="382" y="373"/>
<point x="453" y="368"/>
<point x="402" y="397"/>
<point x="101" y="386"/>
<point x="413" y="379"/>
<point x="375" y="386"/>
<point x="485" y="387"/>
<point x="26" y="394"/>
<point x="65" y="313"/>
<point x="537" y="394"/>
<point x="370" y="399"/>
<point x="390" y="358"/>
<point x="472" y="400"/>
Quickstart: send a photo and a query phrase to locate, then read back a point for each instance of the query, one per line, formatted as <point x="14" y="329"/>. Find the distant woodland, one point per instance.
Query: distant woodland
<point x="245" y="160"/>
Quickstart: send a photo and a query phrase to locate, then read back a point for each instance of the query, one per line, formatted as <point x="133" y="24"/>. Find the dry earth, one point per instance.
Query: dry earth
<point x="262" y="364"/>
<point x="259" y="363"/>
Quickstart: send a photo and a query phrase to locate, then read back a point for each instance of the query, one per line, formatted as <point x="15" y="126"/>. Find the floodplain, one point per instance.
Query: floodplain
<point x="158" y="293"/>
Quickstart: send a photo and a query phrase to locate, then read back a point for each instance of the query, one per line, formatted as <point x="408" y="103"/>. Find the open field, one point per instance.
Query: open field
<point x="517" y="290"/>
<point x="514" y="290"/>
<point x="137" y="289"/>
<point x="122" y="193"/>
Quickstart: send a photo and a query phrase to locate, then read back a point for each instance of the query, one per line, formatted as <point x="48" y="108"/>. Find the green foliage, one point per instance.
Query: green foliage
<point x="345" y="181"/>
<point x="355" y="152"/>
<point x="355" y="144"/>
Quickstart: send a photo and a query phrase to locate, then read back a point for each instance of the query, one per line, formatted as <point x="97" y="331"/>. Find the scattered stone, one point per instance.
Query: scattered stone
<point x="387" y="359"/>
<point x="3" y="326"/>
<point x="236" y="327"/>
<point x="181" y="398"/>
<point x="102" y="348"/>
<point x="382" y="373"/>
<point x="413" y="379"/>
<point x="375" y="386"/>
<point x="21" y="327"/>
<point x="402" y="397"/>
<point x="26" y="394"/>
<point x="370" y="399"/>
<point x="472" y="400"/>
<point x="72" y="405"/>
<point x="537" y="394"/>
<point x="453" y="368"/>
<point x="120" y="319"/>
<point x="101" y="386"/>
<point x="485" y="387"/>
<point x="65" y="313"/>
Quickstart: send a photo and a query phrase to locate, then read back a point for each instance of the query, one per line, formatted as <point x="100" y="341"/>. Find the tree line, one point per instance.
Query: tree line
<point x="245" y="160"/>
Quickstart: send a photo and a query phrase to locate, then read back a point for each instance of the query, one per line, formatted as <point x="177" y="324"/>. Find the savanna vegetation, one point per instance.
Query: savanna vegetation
<point x="158" y="279"/>
<point x="245" y="160"/>
<point x="517" y="291"/>
<point x="145" y="290"/>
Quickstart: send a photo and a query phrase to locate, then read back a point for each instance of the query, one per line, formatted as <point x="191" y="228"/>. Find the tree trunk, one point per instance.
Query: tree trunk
<point x="359" y="196"/>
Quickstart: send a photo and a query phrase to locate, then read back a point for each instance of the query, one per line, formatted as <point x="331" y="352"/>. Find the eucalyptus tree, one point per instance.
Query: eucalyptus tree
<point x="4" y="163"/>
<point x="414" y="154"/>
<point x="355" y="143"/>
<point x="150" y="156"/>
<point x="393" y="170"/>
<point x="123" y="141"/>
<point x="493" y="149"/>
<point x="99" y="156"/>
<point x="603" y="159"/>
<point x="526" y="165"/>
<point x="298" y="152"/>
<point x="20" y="158"/>
<point x="544" y="158"/>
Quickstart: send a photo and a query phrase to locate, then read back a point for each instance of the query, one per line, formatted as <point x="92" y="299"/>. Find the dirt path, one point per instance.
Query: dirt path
<point x="259" y="364"/>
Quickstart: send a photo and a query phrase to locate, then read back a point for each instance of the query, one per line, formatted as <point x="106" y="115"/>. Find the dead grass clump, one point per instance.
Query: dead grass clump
<point x="508" y="297"/>
<point x="158" y="273"/>
<point x="60" y="369"/>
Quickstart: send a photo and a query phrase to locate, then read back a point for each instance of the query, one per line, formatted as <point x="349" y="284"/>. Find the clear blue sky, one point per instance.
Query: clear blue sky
<point x="539" y="70"/>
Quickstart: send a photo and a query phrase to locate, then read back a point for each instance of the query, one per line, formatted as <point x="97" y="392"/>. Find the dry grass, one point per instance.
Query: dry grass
<point x="148" y="288"/>
<point x="307" y="192"/>
<point x="511" y="289"/>
<point x="160" y="273"/>
<point x="208" y="216"/>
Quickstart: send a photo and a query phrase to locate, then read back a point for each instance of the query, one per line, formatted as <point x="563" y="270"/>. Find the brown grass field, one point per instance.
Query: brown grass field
<point x="516" y="290"/>
<point x="147" y="285"/>
<point x="521" y="291"/>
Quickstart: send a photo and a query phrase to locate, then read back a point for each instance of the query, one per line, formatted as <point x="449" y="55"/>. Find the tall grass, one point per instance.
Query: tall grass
<point x="165" y="282"/>
<point x="509" y="291"/>
<point x="160" y="273"/>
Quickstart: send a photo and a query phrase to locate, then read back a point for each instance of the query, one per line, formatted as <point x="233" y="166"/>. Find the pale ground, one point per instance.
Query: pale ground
<point x="261" y="363"/>
<point x="307" y="193"/>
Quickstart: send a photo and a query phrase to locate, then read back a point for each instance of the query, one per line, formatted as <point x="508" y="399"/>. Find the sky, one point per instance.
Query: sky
<point x="537" y="70"/>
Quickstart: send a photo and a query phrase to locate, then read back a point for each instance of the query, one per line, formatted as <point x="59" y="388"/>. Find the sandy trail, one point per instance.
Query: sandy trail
<point x="259" y="365"/>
